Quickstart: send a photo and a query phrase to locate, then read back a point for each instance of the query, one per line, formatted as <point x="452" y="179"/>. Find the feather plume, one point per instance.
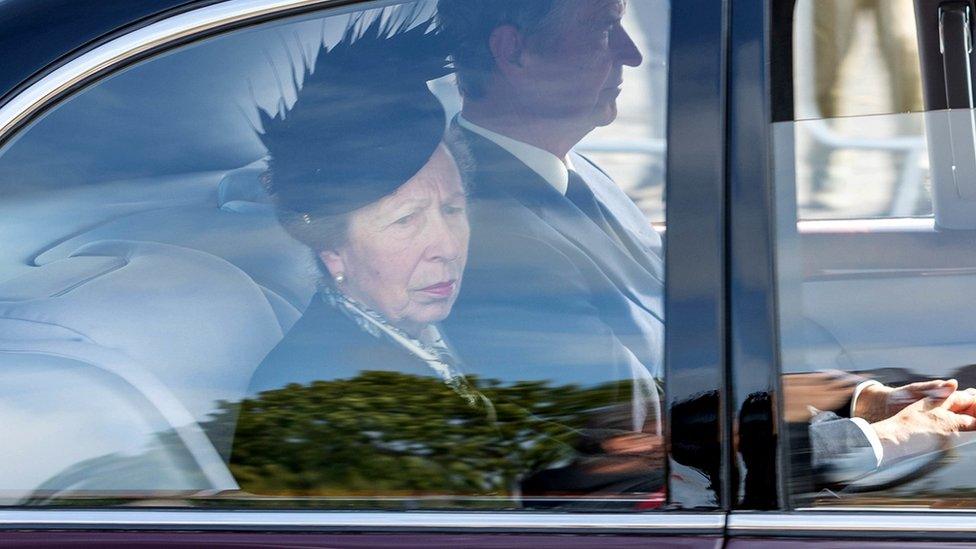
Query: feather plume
<point x="363" y="119"/>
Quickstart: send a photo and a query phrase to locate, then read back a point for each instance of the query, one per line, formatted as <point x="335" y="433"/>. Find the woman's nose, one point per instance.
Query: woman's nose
<point x="445" y="241"/>
<point x="624" y="48"/>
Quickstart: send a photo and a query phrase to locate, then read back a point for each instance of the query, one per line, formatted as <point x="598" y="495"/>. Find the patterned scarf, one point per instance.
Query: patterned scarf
<point x="430" y="347"/>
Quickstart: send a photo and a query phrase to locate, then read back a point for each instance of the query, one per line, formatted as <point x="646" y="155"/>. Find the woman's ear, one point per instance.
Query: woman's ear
<point x="506" y="44"/>
<point x="334" y="262"/>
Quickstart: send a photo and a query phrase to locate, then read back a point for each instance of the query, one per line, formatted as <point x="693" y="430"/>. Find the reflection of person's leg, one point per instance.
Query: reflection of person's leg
<point x="896" y="24"/>
<point x="897" y="37"/>
<point x="833" y="25"/>
<point x="896" y="32"/>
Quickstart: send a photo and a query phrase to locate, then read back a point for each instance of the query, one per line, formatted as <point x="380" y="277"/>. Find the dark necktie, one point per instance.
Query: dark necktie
<point x="579" y="193"/>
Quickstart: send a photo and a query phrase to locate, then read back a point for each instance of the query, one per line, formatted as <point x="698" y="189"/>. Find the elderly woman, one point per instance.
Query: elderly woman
<point x="364" y="397"/>
<point x="360" y="174"/>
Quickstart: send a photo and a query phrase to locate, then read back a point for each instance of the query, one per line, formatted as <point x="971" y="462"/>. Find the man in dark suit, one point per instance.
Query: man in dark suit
<point x="564" y="279"/>
<point x="565" y="275"/>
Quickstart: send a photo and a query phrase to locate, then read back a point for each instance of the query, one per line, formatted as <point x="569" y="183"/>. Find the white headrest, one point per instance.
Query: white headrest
<point x="243" y="185"/>
<point x="76" y="416"/>
<point x="253" y="241"/>
<point x="197" y="322"/>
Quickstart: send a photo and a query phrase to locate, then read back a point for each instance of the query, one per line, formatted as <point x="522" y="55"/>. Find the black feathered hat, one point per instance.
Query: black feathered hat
<point x="364" y="121"/>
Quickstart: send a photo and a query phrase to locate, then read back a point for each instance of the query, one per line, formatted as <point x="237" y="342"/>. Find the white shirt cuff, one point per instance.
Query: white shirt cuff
<point x="872" y="438"/>
<point x="857" y="392"/>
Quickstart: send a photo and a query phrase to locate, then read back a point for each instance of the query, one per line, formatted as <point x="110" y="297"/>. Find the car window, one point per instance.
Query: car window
<point x="389" y="256"/>
<point x="875" y="303"/>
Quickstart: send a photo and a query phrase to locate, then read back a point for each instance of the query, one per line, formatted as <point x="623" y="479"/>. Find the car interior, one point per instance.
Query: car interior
<point x="888" y="297"/>
<point x="160" y="293"/>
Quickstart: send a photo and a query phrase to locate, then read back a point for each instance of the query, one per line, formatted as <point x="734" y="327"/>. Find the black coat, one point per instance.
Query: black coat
<point x="325" y="345"/>
<point x="547" y="294"/>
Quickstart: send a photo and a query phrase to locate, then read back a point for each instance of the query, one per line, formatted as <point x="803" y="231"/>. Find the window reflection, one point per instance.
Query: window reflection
<point x="359" y="293"/>
<point x="855" y="64"/>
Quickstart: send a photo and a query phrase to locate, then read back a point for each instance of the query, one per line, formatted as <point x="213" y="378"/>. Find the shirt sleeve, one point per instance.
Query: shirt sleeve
<point x="857" y="392"/>
<point x="871" y="436"/>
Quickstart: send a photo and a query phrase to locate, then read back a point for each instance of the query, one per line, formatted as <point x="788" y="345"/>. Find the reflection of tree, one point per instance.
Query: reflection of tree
<point x="387" y="433"/>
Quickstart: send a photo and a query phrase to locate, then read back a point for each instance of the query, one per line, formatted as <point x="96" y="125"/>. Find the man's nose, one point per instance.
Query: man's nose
<point x="444" y="242"/>
<point x="624" y="48"/>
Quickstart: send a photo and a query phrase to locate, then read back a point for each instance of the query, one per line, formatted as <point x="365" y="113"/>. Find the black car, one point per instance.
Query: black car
<point x="802" y="174"/>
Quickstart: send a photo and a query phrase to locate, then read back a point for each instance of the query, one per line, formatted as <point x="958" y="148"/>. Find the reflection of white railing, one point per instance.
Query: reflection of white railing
<point x="909" y="184"/>
<point x="912" y="147"/>
<point x="649" y="146"/>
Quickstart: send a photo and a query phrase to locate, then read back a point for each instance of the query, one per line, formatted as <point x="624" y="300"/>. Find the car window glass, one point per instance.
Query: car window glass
<point x="277" y="268"/>
<point x="875" y="283"/>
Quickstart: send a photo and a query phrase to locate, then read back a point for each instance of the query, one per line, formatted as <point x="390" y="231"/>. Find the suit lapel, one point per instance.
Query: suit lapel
<point x="630" y="277"/>
<point x="500" y="173"/>
<point x="635" y="243"/>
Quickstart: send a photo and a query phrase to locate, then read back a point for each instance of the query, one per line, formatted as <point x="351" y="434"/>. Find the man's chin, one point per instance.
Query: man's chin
<point x="605" y="115"/>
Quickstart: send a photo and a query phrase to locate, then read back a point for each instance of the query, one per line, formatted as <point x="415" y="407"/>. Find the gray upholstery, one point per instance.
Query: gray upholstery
<point x="76" y="416"/>
<point x="921" y="323"/>
<point x="243" y="186"/>
<point x="229" y="216"/>
<point x="195" y="321"/>
<point x="252" y="241"/>
<point x="127" y="311"/>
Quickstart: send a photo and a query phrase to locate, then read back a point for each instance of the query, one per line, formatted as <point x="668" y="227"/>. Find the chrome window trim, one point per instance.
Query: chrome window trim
<point x="871" y="225"/>
<point x="663" y="523"/>
<point x="865" y="522"/>
<point x="138" y="42"/>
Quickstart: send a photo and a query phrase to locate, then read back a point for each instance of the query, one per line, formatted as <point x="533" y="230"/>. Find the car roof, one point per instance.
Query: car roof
<point x="36" y="35"/>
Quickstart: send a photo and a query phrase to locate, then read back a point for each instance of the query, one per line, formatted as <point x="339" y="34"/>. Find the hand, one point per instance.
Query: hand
<point x="878" y="402"/>
<point x="928" y="425"/>
<point x="821" y="390"/>
<point x="630" y="452"/>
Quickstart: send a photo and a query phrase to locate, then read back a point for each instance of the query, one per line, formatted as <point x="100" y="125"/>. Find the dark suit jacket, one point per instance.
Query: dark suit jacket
<point x="547" y="295"/>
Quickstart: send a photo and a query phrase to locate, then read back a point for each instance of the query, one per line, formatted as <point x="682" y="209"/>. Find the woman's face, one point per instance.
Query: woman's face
<point x="404" y="255"/>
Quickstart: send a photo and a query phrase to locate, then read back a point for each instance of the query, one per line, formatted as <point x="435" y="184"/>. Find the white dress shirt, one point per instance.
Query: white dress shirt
<point x="864" y="425"/>
<point x="550" y="167"/>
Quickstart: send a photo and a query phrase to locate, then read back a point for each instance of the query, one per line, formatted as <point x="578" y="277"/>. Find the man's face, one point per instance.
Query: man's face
<point x="576" y="72"/>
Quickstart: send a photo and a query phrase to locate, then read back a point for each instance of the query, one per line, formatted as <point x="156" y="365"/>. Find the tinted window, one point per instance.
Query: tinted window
<point x="875" y="308"/>
<point x="277" y="267"/>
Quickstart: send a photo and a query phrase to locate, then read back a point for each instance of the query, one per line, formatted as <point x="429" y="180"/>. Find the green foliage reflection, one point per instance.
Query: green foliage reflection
<point x="388" y="433"/>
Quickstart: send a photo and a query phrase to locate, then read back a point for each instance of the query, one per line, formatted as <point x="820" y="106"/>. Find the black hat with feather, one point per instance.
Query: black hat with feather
<point x="364" y="121"/>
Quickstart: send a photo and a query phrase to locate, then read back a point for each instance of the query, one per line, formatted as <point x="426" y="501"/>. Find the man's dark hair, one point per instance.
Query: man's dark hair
<point x="468" y="24"/>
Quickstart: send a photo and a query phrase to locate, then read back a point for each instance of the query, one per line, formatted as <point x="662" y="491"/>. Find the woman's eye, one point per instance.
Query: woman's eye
<point x="405" y="220"/>
<point x="453" y="210"/>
